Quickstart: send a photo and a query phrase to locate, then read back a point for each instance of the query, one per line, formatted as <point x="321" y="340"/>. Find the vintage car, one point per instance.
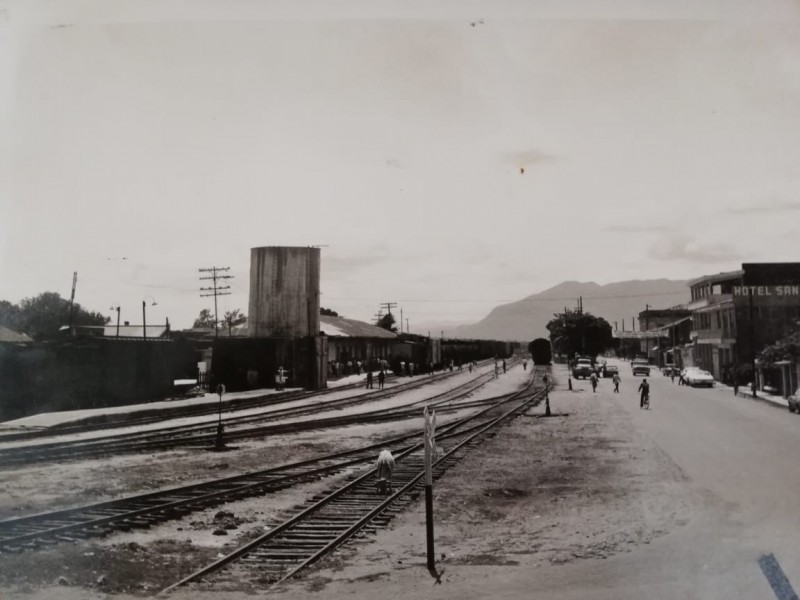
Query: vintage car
<point x="640" y="367"/>
<point x="610" y="370"/>
<point x="668" y="369"/>
<point x="698" y="377"/>
<point x="583" y="368"/>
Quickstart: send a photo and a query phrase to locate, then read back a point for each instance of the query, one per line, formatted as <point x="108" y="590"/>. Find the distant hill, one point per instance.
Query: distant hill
<point x="527" y="319"/>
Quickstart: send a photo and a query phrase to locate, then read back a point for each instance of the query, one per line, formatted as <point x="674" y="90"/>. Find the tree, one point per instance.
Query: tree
<point x="42" y="316"/>
<point x="328" y="312"/>
<point x="387" y="322"/>
<point x="232" y="318"/>
<point x="580" y="333"/>
<point x="206" y="319"/>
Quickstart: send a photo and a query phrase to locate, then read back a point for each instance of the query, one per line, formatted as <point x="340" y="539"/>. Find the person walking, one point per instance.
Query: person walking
<point x="369" y="380"/>
<point x="644" y="392"/>
<point x="381" y="379"/>
<point x="470" y="367"/>
<point x="593" y="379"/>
<point x="524" y="364"/>
<point x="496" y="370"/>
<point x="504" y="366"/>
<point x="672" y="374"/>
<point x="616" y="381"/>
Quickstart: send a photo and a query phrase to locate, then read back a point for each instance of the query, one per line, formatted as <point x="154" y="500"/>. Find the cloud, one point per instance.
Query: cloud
<point x="767" y="207"/>
<point x="681" y="246"/>
<point x="526" y="158"/>
<point x="637" y="228"/>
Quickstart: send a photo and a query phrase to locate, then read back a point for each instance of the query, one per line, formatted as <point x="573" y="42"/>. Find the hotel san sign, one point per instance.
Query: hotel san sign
<point x="767" y="294"/>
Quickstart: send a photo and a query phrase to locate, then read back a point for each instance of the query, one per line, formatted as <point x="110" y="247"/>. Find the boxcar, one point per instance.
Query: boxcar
<point x="541" y="352"/>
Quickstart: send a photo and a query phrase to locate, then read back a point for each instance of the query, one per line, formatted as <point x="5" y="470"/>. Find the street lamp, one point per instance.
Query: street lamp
<point x="116" y="308"/>
<point x="144" y="315"/>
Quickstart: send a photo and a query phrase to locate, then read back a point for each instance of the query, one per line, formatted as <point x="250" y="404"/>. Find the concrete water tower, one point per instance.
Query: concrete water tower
<point x="284" y="291"/>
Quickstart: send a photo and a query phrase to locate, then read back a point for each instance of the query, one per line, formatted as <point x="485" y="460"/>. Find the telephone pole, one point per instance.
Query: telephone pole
<point x="215" y="289"/>
<point x="72" y="299"/>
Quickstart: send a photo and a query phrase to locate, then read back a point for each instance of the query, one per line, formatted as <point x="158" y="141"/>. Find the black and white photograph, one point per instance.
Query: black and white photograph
<point x="446" y="299"/>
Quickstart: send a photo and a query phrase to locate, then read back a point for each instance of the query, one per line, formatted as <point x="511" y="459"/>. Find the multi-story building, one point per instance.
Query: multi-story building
<point x="714" y="322"/>
<point x="738" y="313"/>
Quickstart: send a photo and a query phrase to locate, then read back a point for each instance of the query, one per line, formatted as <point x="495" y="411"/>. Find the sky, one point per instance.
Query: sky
<point x="447" y="156"/>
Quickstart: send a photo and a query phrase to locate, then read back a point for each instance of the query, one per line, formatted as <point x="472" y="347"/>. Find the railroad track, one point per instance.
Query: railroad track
<point x="204" y="434"/>
<point x="145" y="510"/>
<point x="149" y="416"/>
<point x="333" y="518"/>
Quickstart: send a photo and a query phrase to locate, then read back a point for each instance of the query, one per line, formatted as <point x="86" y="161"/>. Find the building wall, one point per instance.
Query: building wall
<point x="284" y="292"/>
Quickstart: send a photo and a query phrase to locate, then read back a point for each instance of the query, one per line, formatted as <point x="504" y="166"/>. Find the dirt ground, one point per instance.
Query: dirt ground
<point x="544" y="492"/>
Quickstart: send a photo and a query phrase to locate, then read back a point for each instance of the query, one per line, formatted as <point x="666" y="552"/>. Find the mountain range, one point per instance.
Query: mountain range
<point x="619" y="302"/>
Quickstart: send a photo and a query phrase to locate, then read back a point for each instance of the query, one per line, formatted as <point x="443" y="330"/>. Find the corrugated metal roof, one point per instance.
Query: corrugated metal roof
<point x="341" y="327"/>
<point x="9" y="335"/>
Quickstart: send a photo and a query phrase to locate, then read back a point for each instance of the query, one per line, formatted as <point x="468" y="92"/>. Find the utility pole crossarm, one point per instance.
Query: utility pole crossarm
<point x="215" y="290"/>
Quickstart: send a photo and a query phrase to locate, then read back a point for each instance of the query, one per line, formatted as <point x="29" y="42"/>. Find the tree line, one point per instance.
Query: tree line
<point x="42" y="316"/>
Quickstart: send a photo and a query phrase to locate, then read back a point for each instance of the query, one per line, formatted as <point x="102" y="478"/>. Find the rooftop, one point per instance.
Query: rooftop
<point x="726" y="276"/>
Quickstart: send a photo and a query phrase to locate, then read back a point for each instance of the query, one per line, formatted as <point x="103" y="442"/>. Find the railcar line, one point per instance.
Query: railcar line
<point x="145" y="510"/>
<point x="333" y="518"/>
<point x="205" y="434"/>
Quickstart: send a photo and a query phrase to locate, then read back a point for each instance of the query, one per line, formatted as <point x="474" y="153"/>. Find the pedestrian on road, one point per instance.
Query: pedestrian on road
<point x="672" y="375"/>
<point x="524" y="364"/>
<point x="496" y="370"/>
<point x="735" y="385"/>
<point x="680" y="379"/>
<point x="593" y="379"/>
<point x="369" y="380"/>
<point x="504" y="366"/>
<point x="381" y="379"/>
<point x="644" y="390"/>
<point x="470" y="367"/>
<point x="616" y="381"/>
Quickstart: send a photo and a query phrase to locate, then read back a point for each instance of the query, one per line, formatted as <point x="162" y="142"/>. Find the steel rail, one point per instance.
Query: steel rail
<point x="193" y="435"/>
<point x="320" y="504"/>
<point x="194" y="502"/>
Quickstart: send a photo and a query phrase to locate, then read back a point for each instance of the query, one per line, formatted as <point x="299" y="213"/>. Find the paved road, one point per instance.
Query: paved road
<point x="742" y="458"/>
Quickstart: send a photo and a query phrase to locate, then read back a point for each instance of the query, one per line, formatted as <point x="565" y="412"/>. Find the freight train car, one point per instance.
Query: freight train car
<point x="541" y="351"/>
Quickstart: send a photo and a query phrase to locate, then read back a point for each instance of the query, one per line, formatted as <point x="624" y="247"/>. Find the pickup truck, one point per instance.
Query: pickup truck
<point x="583" y="368"/>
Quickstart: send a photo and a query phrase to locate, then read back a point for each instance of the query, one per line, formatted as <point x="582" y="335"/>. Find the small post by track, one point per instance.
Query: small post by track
<point x="219" y="443"/>
<point x="546" y="396"/>
<point x="430" y="449"/>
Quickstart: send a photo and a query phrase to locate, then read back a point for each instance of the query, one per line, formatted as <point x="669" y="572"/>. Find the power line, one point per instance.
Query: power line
<point x="216" y="290"/>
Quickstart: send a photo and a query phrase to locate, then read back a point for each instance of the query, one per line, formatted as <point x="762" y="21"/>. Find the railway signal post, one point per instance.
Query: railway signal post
<point x="430" y="449"/>
<point x="219" y="444"/>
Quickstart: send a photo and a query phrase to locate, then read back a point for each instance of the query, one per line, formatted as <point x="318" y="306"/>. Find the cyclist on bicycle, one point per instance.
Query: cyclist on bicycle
<point x="644" y="393"/>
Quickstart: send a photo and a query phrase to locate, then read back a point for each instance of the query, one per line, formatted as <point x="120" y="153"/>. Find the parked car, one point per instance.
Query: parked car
<point x="583" y="368"/>
<point x="696" y="377"/>
<point x="794" y="401"/>
<point x="640" y="367"/>
<point x="610" y="370"/>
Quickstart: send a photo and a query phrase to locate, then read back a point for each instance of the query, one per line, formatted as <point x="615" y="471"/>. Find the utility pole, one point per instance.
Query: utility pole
<point x="401" y="320"/>
<point x="72" y="299"/>
<point x="646" y="317"/>
<point x="389" y="306"/>
<point x="580" y="304"/>
<point x="752" y="340"/>
<point x="407" y="329"/>
<point x="215" y="290"/>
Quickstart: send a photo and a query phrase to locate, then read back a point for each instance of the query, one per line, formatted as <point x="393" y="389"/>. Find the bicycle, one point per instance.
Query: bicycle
<point x="646" y="401"/>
